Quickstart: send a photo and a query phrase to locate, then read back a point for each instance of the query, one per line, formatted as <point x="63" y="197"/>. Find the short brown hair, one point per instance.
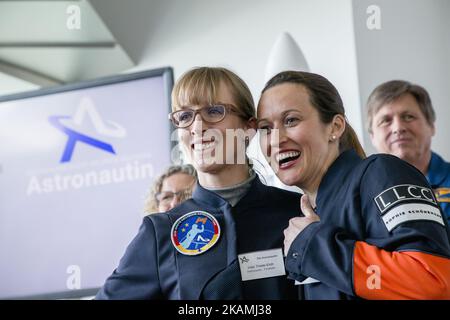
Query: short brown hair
<point x="325" y="98"/>
<point x="200" y="86"/>
<point x="394" y="89"/>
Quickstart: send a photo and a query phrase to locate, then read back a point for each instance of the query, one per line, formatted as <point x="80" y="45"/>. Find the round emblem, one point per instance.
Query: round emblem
<point x="195" y="232"/>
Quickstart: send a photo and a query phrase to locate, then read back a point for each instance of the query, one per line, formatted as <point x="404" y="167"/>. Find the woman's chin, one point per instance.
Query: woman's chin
<point x="288" y="179"/>
<point x="201" y="165"/>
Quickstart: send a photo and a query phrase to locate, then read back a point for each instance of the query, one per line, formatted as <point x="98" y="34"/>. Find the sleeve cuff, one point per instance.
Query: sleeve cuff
<point x="297" y="251"/>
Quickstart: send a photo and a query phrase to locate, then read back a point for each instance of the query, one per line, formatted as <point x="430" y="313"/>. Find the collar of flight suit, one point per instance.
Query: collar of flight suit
<point x="213" y="200"/>
<point x="341" y="167"/>
<point x="206" y="200"/>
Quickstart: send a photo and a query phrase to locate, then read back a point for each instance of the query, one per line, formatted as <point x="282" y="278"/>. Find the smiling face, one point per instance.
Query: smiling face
<point x="211" y="146"/>
<point x="401" y="129"/>
<point x="305" y="148"/>
<point x="175" y="189"/>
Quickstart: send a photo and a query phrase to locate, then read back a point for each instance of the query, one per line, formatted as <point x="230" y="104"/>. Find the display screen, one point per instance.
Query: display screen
<point x="75" y="164"/>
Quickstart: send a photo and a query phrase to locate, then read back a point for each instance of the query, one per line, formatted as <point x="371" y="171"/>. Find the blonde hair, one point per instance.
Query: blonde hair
<point x="150" y="201"/>
<point x="200" y="86"/>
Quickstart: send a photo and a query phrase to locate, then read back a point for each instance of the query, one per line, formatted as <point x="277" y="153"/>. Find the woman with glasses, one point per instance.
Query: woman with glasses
<point x="226" y="242"/>
<point x="171" y="188"/>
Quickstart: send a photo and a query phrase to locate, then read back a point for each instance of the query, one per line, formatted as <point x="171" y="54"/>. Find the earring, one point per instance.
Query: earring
<point x="247" y="141"/>
<point x="333" y="137"/>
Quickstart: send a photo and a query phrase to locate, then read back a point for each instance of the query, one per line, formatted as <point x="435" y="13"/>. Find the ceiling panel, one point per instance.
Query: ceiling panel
<point x="36" y="39"/>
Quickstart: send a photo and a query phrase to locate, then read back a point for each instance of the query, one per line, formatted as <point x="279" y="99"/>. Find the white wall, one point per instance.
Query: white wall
<point x="413" y="44"/>
<point x="238" y="35"/>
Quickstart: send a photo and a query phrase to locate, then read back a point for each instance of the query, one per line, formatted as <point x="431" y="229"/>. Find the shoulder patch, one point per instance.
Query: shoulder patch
<point x="411" y="212"/>
<point x="401" y="193"/>
<point x="407" y="202"/>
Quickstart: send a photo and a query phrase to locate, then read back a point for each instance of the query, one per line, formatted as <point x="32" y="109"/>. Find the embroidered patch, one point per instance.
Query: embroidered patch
<point x="442" y="194"/>
<point x="404" y="192"/>
<point x="195" y="233"/>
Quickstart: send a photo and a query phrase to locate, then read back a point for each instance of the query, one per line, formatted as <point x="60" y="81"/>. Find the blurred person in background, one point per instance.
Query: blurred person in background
<point x="401" y="122"/>
<point x="172" y="187"/>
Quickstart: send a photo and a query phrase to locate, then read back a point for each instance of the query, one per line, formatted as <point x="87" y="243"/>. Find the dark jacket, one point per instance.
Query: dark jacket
<point x="381" y="234"/>
<point x="153" y="269"/>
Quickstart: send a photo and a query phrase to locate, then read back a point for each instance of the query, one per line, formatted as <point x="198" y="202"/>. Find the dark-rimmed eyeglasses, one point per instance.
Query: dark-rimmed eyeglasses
<point x="214" y="113"/>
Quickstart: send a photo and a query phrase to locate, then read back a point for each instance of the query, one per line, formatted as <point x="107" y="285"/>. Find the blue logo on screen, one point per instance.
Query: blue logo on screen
<point x="86" y="111"/>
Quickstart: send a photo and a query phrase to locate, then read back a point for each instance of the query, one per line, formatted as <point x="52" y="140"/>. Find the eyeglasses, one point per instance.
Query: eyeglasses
<point x="167" y="197"/>
<point x="211" y="114"/>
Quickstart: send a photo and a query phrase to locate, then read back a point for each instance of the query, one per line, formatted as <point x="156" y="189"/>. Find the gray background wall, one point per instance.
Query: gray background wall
<point x="413" y="44"/>
<point x="239" y="35"/>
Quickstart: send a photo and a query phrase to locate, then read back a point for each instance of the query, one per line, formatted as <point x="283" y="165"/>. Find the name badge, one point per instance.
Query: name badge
<point x="261" y="264"/>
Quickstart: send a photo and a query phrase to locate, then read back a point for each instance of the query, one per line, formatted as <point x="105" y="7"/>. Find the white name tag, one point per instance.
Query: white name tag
<point x="411" y="212"/>
<point x="262" y="264"/>
<point x="306" y="281"/>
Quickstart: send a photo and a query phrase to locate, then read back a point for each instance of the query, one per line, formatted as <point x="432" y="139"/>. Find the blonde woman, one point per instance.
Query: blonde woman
<point x="226" y="242"/>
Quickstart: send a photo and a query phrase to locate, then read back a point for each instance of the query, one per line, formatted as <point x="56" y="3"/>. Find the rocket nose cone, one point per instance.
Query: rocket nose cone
<point x="285" y="55"/>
